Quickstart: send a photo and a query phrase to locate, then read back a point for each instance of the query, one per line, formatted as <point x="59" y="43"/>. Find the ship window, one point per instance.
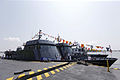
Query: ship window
<point x="75" y="49"/>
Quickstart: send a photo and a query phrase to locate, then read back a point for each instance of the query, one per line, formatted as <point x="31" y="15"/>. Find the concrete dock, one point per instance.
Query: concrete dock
<point x="9" y="67"/>
<point x="72" y="71"/>
<point x="82" y="72"/>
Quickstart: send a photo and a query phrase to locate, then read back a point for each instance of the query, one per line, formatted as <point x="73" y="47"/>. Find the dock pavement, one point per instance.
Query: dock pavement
<point x="72" y="71"/>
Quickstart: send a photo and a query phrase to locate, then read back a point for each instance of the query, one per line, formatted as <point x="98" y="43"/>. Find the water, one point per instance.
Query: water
<point x="115" y="55"/>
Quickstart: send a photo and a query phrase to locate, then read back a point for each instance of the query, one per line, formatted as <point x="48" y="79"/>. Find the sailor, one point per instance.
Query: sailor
<point x="69" y="56"/>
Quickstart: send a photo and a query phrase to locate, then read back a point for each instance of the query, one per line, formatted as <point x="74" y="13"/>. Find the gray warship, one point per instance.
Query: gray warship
<point x="42" y="50"/>
<point x="45" y="50"/>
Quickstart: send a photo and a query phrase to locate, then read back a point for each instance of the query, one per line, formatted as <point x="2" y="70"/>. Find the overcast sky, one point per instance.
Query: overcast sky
<point x="89" y="22"/>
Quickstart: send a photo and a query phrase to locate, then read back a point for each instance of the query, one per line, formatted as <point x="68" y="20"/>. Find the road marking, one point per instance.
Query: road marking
<point x="49" y="67"/>
<point x="46" y="74"/>
<point x="58" y="64"/>
<point x="29" y="79"/>
<point x="57" y="70"/>
<point x="10" y="78"/>
<point x="52" y="72"/>
<point x="32" y="72"/>
<point x="54" y="65"/>
<point x="39" y="70"/>
<point x="64" y="67"/>
<point x="116" y="68"/>
<point x="21" y="75"/>
<point x="67" y="66"/>
<point x="64" y="63"/>
<point x="39" y="77"/>
<point x="61" y="68"/>
<point x="45" y="68"/>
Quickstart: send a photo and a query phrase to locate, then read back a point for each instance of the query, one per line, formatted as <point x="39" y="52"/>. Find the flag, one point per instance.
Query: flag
<point x="63" y="41"/>
<point x="67" y="42"/>
<point x="82" y="45"/>
<point x="70" y="43"/>
<point x="97" y="46"/>
<point x="111" y="50"/>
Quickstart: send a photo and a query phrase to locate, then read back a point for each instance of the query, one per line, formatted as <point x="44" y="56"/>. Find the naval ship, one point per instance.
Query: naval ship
<point x="42" y="50"/>
<point x="45" y="50"/>
<point x="100" y="59"/>
<point x="78" y="53"/>
<point x="96" y="59"/>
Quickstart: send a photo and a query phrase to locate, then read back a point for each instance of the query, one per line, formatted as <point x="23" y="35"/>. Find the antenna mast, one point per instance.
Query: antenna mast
<point x="40" y="34"/>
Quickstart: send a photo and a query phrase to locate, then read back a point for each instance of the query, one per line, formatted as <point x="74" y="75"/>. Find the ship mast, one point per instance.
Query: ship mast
<point x="39" y="34"/>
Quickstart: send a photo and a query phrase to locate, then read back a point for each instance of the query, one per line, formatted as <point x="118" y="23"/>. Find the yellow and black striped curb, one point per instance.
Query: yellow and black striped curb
<point x="52" y="72"/>
<point x="38" y="74"/>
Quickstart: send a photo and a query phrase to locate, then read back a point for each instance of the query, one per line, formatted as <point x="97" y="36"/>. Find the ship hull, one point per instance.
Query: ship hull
<point x="102" y="62"/>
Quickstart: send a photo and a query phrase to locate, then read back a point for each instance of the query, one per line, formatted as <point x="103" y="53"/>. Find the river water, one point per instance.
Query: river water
<point x="115" y="55"/>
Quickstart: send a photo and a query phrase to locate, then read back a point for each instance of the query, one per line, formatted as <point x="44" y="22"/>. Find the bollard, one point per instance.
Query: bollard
<point x="108" y="66"/>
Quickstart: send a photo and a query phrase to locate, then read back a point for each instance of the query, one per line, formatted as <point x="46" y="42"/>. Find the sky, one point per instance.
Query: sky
<point x="95" y="22"/>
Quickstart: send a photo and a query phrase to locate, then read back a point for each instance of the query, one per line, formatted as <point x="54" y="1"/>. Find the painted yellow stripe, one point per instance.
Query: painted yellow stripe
<point x="57" y="70"/>
<point x="32" y="72"/>
<point x="10" y="78"/>
<point x="52" y="72"/>
<point x="116" y="68"/>
<point x="67" y="66"/>
<point x="45" y="68"/>
<point x="46" y="74"/>
<point x="39" y="70"/>
<point x="49" y="67"/>
<point x="102" y="66"/>
<point x="29" y="79"/>
<point x="21" y="75"/>
<point x="61" y="68"/>
<point x="54" y="65"/>
<point x="64" y="67"/>
<point x="39" y="77"/>
<point x="58" y="64"/>
<point x="64" y="63"/>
